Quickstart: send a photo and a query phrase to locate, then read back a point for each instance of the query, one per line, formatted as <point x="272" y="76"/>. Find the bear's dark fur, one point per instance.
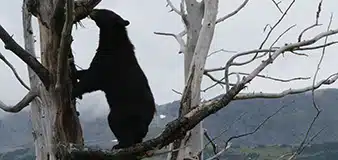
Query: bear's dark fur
<point x="115" y="71"/>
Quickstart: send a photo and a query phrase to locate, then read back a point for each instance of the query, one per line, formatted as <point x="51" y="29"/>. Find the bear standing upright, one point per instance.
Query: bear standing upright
<point x="115" y="71"/>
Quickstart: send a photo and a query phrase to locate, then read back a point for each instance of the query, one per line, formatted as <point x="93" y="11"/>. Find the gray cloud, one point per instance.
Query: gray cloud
<point x="158" y="55"/>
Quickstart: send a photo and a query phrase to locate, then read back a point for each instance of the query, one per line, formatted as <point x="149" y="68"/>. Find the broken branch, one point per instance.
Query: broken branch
<point x="178" y="38"/>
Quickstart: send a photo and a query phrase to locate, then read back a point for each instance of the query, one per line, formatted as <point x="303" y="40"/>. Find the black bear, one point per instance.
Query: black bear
<point x="115" y="71"/>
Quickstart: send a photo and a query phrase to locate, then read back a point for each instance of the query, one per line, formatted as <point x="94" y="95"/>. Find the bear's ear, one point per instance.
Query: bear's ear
<point x="126" y="22"/>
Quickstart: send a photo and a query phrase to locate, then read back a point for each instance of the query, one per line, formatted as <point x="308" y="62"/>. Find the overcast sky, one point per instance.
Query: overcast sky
<point x="158" y="56"/>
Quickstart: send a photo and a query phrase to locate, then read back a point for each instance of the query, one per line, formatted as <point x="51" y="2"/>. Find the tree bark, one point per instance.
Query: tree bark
<point x="60" y="122"/>
<point x="199" y="38"/>
<point x="193" y="24"/>
<point x="54" y="119"/>
<point x="38" y="138"/>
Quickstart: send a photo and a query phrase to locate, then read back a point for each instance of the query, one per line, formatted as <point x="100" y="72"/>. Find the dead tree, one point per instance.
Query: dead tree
<point x="55" y="124"/>
<point x="54" y="119"/>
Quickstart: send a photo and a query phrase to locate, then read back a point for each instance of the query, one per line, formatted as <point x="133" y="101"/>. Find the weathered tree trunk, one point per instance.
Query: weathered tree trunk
<point x="194" y="16"/>
<point x="39" y="142"/>
<point x="54" y="120"/>
<point x="199" y="38"/>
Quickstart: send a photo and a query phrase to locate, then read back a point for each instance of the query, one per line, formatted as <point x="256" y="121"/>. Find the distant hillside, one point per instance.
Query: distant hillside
<point x="287" y="127"/>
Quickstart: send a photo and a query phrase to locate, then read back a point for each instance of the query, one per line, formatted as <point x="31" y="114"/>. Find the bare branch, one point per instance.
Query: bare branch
<point x="302" y="145"/>
<point x="272" y="78"/>
<point x="265" y="51"/>
<point x="258" y="127"/>
<point x="272" y="29"/>
<point x="14" y="71"/>
<point x="316" y="24"/>
<point x="178" y="38"/>
<point x="233" y="12"/>
<point x="214" y="146"/>
<point x="220" y="82"/>
<point x="21" y="105"/>
<point x="230" y="62"/>
<point x="317" y="47"/>
<point x="177" y="92"/>
<point x="239" y="55"/>
<point x="220" y="50"/>
<point x="249" y="133"/>
<point x="321" y="59"/>
<point x="65" y="45"/>
<point x="311" y="139"/>
<point x="213" y="78"/>
<point x="31" y="61"/>
<point x="306" y="29"/>
<point x="277" y="5"/>
<point x="220" y="152"/>
<point x="173" y="8"/>
<point x="212" y="86"/>
<point x="226" y="129"/>
<point x="290" y="91"/>
<point x="276" y="24"/>
<point x="281" y="35"/>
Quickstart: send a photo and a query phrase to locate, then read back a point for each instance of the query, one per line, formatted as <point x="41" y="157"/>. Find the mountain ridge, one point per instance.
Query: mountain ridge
<point x="287" y="127"/>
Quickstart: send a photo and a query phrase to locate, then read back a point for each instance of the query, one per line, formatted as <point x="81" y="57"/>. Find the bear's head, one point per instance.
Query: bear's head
<point x="107" y="19"/>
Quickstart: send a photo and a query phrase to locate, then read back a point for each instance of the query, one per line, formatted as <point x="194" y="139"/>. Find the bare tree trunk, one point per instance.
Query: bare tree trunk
<point x="53" y="115"/>
<point x="54" y="118"/>
<point x="35" y="105"/>
<point x="199" y="38"/>
<point x="193" y="24"/>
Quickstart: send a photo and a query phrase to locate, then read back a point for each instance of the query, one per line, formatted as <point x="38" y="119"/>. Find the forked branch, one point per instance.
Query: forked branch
<point x="178" y="37"/>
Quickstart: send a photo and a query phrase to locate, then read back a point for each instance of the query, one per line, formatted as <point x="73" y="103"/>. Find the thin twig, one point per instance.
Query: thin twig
<point x="272" y="78"/>
<point x="226" y="129"/>
<point x="301" y="146"/>
<point x="316" y="24"/>
<point x="232" y="13"/>
<point x="277" y="5"/>
<point x="331" y="79"/>
<point x="173" y="8"/>
<point x="249" y="133"/>
<point x="220" y="50"/>
<point x="14" y="71"/>
<point x="210" y="141"/>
